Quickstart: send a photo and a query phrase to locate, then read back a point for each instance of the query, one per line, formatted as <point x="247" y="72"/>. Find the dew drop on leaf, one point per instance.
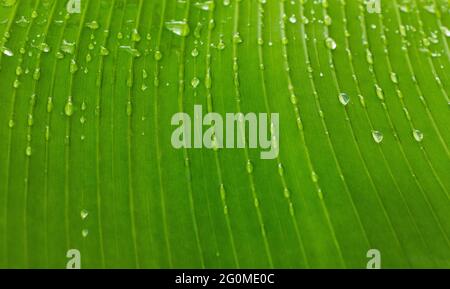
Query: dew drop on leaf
<point x="195" y="82"/>
<point x="104" y="51"/>
<point x="180" y="28"/>
<point x="377" y="136"/>
<point x="293" y="19"/>
<point x="194" y="52"/>
<point x="158" y="55"/>
<point x="85" y="233"/>
<point x="84" y="214"/>
<point x="330" y="43"/>
<point x="344" y="98"/>
<point x="68" y="109"/>
<point x="249" y="167"/>
<point x="8" y="3"/>
<point x="206" y="5"/>
<point x="28" y="151"/>
<point x="418" y="135"/>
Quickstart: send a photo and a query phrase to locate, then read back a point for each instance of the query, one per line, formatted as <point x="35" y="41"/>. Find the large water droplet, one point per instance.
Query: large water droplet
<point x="180" y="28"/>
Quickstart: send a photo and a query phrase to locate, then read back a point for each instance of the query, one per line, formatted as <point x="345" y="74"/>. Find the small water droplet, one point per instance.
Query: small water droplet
<point x="293" y="19"/>
<point x="133" y="51"/>
<point x="104" y="51"/>
<point x="28" y="151"/>
<point x="249" y="167"/>
<point x="314" y="177"/>
<point x="377" y="136"/>
<point x="206" y="6"/>
<point x="68" y="47"/>
<point x="344" y="98"/>
<point x="195" y="82"/>
<point x="158" y="55"/>
<point x="194" y="52"/>
<point x="6" y="51"/>
<point x="92" y="25"/>
<point x="84" y="214"/>
<point x="237" y="38"/>
<point x="418" y="135"/>
<point x="85" y="233"/>
<point x="68" y="109"/>
<point x="11" y="123"/>
<point x="135" y="37"/>
<point x="330" y="43"/>
<point x="394" y="77"/>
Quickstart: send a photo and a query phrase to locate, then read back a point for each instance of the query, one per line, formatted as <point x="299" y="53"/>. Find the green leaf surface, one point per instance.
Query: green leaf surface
<point x="86" y="160"/>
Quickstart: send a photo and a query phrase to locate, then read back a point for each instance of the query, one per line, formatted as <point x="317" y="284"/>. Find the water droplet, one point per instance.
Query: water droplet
<point x="104" y="51"/>
<point x="237" y="38"/>
<point x="44" y="47"/>
<point x="195" y="82"/>
<point x="73" y="66"/>
<point x="314" y="177"/>
<point x="68" y="109"/>
<point x="221" y="45"/>
<point x="6" y="51"/>
<point x="28" y="151"/>
<point x="206" y="6"/>
<point x="8" y="3"/>
<point x="49" y="105"/>
<point x="286" y="193"/>
<point x="249" y="167"/>
<point x="133" y="51"/>
<point x="158" y="55"/>
<point x="394" y="77"/>
<point x="37" y="73"/>
<point x="194" y="52"/>
<point x="377" y="136"/>
<point x="19" y="70"/>
<point x="327" y="20"/>
<point x="379" y="92"/>
<point x="180" y="28"/>
<point x="84" y="214"/>
<point x="135" y="37"/>
<point x="68" y="47"/>
<point x="280" y="169"/>
<point x="92" y="25"/>
<point x="85" y="233"/>
<point x="11" y="123"/>
<point x="330" y="43"/>
<point x="344" y="98"/>
<point x="129" y="109"/>
<point x="226" y="2"/>
<point x="222" y="192"/>
<point x="418" y="135"/>
<point x="34" y="14"/>
<point x="293" y="19"/>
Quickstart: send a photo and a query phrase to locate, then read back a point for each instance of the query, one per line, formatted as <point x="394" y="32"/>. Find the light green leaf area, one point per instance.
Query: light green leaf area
<point x="86" y="160"/>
